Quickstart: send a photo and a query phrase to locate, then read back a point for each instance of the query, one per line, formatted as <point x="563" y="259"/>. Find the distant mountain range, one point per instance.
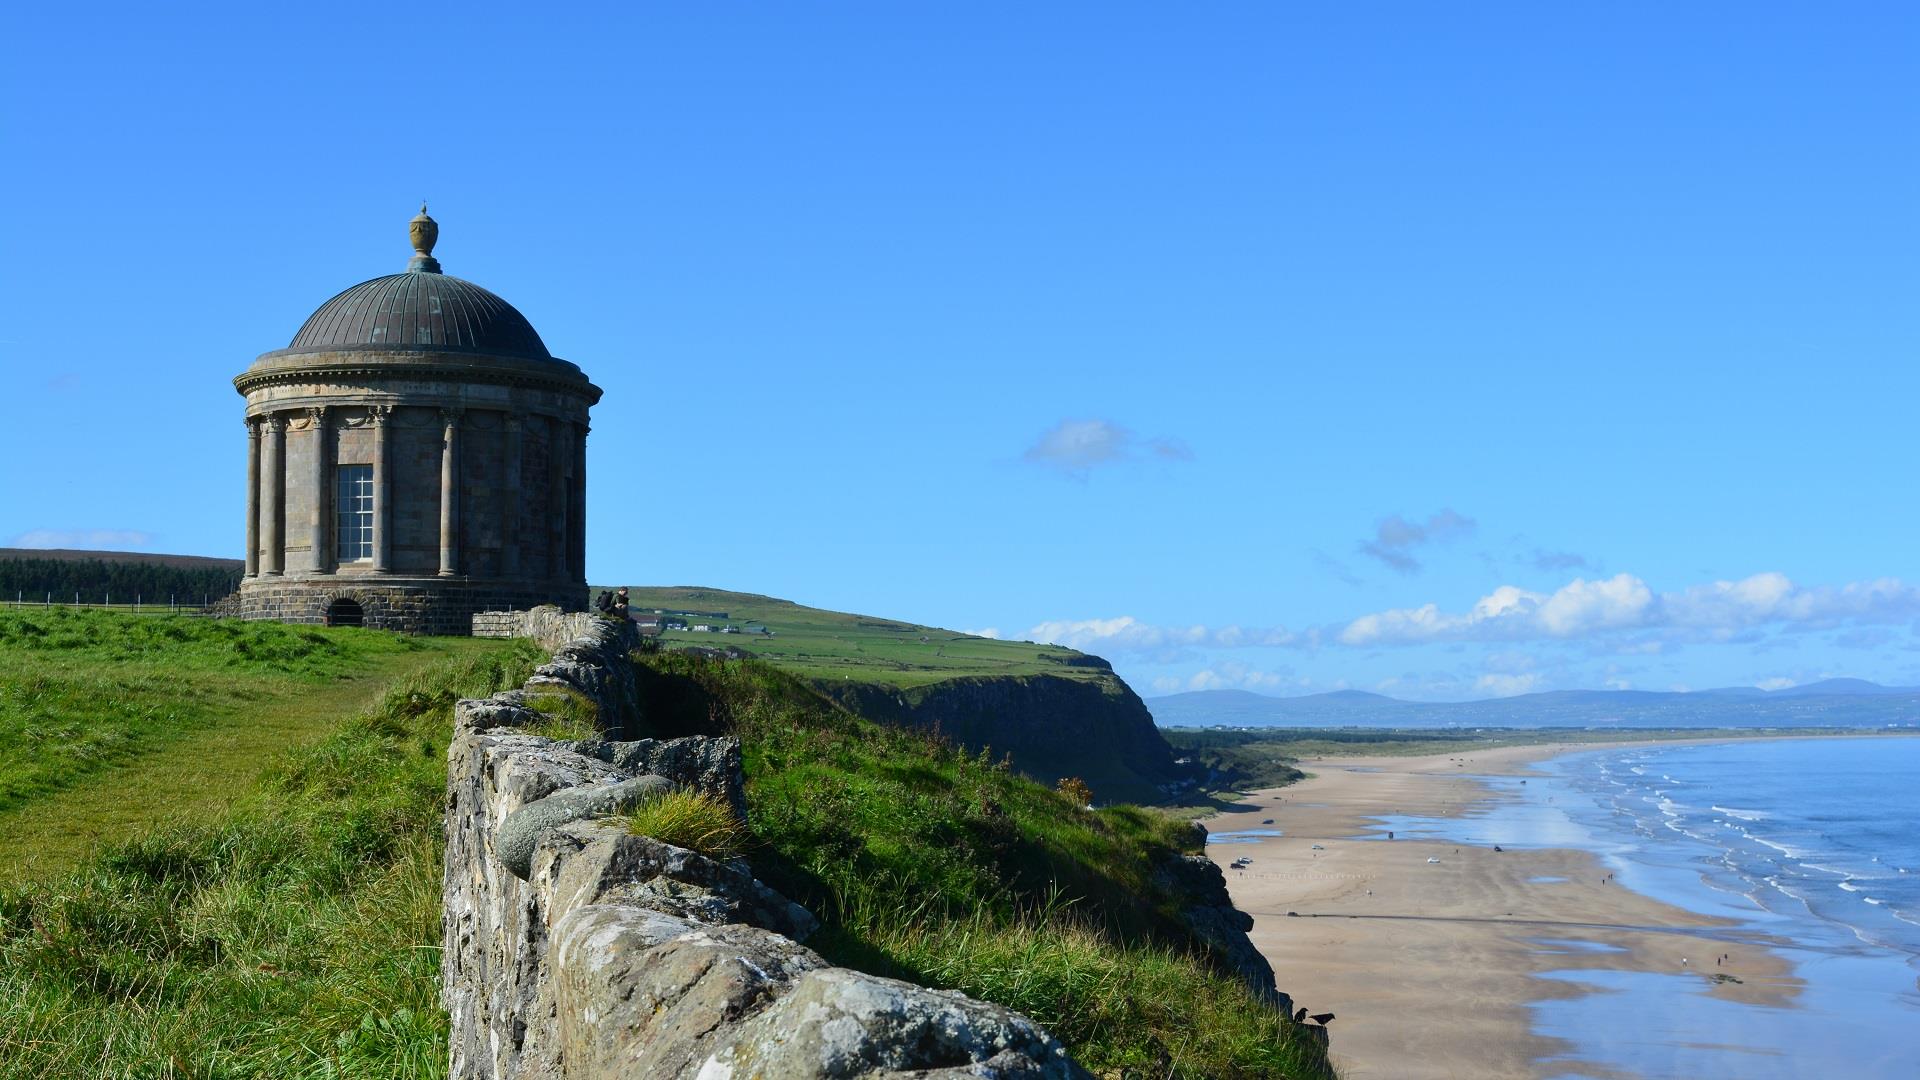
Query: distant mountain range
<point x="1830" y="702"/>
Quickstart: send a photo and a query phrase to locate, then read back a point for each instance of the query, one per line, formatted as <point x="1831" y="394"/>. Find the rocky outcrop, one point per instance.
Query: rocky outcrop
<point x="576" y="949"/>
<point x="1094" y="727"/>
<point x="1208" y="911"/>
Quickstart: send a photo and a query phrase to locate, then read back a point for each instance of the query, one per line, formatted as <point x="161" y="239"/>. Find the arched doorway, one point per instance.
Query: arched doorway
<point x="345" y="612"/>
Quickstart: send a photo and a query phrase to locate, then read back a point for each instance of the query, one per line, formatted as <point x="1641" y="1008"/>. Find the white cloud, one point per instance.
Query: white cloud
<point x="1584" y="608"/>
<point x="85" y="539"/>
<point x="1075" y="446"/>
<point x="1500" y="685"/>
<point x="1232" y="675"/>
<point x="1126" y="634"/>
<point x="1776" y="684"/>
<point x="985" y="632"/>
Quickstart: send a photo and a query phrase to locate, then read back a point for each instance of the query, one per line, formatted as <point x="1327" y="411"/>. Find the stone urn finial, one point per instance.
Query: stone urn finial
<point x="424" y="232"/>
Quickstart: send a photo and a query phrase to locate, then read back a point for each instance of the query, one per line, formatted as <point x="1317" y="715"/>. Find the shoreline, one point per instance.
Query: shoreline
<point x="1432" y="967"/>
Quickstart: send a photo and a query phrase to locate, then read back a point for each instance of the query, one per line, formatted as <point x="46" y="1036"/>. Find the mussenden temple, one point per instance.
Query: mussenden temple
<point x="414" y="455"/>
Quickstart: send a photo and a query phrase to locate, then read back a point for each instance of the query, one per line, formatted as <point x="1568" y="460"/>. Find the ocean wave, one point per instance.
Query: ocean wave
<point x="1743" y="815"/>
<point x="1818" y="869"/>
<point x="1788" y="850"/>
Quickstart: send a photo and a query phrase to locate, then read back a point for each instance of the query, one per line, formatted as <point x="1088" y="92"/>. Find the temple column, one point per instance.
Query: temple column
<point x="319" y="430"/>
<point x="580" y="504"/>
<point x="511" y="497"/>
<point x="273" y="496"/>
<point x="381" y="417"/>
<point x="253" y="498"/>
<point x="450" y="492"/>
<point x="558" y="535"/>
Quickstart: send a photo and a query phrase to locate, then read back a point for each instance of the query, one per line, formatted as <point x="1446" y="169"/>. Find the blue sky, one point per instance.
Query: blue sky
<point x="1447" y="350"/>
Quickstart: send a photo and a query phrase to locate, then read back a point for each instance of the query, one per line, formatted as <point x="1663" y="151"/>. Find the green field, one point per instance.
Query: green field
<point x="110" y="724"/>
<point x="832" y="645"/>
<point x="263" y="894"/>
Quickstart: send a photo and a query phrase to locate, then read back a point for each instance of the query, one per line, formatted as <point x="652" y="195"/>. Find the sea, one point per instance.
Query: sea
<point x="1810" y="844"/>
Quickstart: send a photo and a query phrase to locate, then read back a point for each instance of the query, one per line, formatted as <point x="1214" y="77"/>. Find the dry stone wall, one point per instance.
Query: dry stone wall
<point x="548" y="626"/>
<point x="575" y="949"/>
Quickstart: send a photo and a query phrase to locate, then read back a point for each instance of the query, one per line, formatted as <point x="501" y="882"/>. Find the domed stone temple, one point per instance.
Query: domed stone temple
<point x="415" y="455"/>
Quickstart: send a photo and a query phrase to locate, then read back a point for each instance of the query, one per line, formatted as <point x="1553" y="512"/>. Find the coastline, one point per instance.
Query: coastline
<point x="1432" y="968"/>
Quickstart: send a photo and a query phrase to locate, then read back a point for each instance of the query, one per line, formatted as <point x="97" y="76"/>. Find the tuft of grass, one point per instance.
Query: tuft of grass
<point x="569" y="714"/>
<point x="295" y="936"/>
<point x="693" y="820"/>
<point x="1125" y="1009"/>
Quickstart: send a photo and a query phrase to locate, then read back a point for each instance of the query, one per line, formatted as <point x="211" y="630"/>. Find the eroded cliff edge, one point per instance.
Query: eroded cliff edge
<point x="1091" y="726"/>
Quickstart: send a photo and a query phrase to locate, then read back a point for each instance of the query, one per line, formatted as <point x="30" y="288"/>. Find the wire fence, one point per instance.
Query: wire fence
<point x="137" y="604"/>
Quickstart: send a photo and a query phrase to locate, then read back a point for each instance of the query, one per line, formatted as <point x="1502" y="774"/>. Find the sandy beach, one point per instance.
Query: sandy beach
<point x="1426" y="964"/>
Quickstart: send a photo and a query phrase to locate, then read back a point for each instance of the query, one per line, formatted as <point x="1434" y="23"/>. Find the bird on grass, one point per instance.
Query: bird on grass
<point x="1301" y="1016"/>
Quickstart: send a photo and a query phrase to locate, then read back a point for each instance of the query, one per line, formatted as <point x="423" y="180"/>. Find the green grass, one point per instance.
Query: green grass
<point x="296" y="936"/>
<point x="830" y="645"/>
<point x="949" y="869"/>
<point x="110" y="724"/>
<point x="295" y="932"/>
<point x="569" y="714"/>
<point x="693" y="820"/>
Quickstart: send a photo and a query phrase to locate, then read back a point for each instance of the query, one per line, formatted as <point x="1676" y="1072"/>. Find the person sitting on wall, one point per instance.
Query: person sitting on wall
<point x="604" y="602"/>
<point x="620" y="604"/>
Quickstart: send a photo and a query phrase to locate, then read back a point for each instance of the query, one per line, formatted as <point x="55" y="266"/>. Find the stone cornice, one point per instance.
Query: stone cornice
<point x="295" y="366"/>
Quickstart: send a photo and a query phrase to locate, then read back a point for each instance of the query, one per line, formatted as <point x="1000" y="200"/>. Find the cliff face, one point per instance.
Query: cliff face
<point x="1097" y="729"/>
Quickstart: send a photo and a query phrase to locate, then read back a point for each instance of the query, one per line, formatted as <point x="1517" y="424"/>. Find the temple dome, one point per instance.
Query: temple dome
<point x="418" y="310"/>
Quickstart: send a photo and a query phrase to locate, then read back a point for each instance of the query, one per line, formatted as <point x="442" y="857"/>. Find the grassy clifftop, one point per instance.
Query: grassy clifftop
<point x="292" y="929"/>
<point x="814" y="643"/>
<point x="937" y="866"/>
<point x="111" y="722"/>
<point x="1058" y="712"/>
